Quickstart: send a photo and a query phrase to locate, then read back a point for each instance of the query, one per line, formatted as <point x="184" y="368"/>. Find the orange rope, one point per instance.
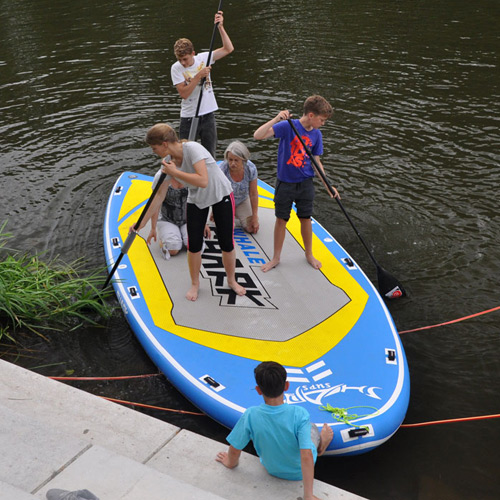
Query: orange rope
<point x="450" y="421"/>
<point x="152" y="407"/>
<point x="107" y="378"/>
<point x="452" y="321"/>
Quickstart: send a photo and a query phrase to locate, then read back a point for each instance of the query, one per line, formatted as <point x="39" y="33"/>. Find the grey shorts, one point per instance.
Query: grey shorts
<point x="315" y="437"/>
<point x="286" y="193"/>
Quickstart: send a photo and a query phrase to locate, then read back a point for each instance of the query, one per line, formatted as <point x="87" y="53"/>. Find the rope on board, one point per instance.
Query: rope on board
<point x="124" y="377"/>
<point x="343" y="415"/>
<point x="452" y="321"/>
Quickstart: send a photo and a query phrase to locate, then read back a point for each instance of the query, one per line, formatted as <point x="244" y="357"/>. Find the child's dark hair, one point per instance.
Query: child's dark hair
<point x="270" y="377"/>
<point x="318" y="105"/>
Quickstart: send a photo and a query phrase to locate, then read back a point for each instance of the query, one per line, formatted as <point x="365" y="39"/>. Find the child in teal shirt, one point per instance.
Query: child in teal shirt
<point x="282" y="434"/>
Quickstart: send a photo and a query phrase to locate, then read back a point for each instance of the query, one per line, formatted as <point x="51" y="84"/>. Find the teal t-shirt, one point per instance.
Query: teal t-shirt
<point x="278" y="434"/>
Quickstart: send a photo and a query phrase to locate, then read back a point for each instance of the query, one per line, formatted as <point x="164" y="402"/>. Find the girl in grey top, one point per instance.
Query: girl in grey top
<point x="192" y="165"/>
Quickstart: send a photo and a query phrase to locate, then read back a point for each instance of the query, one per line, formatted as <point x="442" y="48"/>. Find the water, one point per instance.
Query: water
<point x="413" y="147"/>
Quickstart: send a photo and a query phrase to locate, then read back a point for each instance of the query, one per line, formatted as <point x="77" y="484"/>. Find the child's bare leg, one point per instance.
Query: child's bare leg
<point x="325" y="438"/>
<point x="306" y="231"/>
<point x="194" y="263"/>
<point x="229" y="262"/>
<point x="279" y="239"/>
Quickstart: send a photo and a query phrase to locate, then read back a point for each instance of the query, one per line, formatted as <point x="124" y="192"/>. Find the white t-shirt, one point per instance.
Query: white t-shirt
<point x="180" y="74"/>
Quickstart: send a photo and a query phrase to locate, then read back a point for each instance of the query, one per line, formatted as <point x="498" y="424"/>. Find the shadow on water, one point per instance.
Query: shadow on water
<point x="413" y="147"/>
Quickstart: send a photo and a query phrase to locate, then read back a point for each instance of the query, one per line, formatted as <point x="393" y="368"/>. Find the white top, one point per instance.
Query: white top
<point x="180" y="74"/>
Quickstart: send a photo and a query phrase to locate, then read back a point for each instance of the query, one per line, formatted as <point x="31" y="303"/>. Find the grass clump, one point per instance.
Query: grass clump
<point x="40" y="296"/>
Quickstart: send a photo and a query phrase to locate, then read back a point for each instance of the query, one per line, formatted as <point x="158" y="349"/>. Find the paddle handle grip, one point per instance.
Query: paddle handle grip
<point x="128" y="242"/>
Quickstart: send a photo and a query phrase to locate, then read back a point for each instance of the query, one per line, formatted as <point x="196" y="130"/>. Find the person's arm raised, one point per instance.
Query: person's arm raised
<point x="265" y="131"/>
<point x="227" y="45"/>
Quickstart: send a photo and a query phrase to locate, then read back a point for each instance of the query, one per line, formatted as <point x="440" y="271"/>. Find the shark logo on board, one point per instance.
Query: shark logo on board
<point x="250" y="257"/>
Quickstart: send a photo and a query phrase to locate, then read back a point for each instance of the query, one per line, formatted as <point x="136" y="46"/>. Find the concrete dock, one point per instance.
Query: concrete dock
<point x="55" y="436"/>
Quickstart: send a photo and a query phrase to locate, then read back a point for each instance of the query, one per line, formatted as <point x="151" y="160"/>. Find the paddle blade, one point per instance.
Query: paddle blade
<point x="193" y="131"/>
<point x="388" y="285"/>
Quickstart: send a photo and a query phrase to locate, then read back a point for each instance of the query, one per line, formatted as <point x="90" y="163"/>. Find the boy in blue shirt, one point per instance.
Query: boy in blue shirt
<point x="283" y="437"/>
<point x="295" y="172"/>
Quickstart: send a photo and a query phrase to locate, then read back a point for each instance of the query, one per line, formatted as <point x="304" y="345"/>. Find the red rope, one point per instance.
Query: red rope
<point x="450" y="421"/>
<point x="420" y="424"/>
<point x="452" y="321"/>
<point x="152" y="407"/>
<point x="107" y="378"/>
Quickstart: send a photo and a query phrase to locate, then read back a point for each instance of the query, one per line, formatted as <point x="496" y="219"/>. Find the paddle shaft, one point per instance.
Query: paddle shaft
<point x="132" y="235"/>
<point x="194" y="123"/>
<point x="330" y="188"/>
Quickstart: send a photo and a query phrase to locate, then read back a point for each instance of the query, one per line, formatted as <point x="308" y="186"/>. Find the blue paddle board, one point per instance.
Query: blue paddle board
<point x="329" y="328"/>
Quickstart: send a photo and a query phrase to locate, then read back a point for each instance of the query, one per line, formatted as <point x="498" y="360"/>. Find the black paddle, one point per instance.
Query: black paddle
<point x="133" y="234"/>
<point x="194" y="123"/>
<point x="388" y="285"/>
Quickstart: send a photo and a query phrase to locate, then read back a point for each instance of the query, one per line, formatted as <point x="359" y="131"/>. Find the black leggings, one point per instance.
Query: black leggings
<point x="223" y="212"/>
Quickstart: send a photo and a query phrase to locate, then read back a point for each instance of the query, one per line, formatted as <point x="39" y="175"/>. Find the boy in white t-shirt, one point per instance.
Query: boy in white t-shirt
<point x="187" y="74"/>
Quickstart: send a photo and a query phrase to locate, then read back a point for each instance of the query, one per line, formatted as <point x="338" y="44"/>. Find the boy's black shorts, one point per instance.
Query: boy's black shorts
<point x="302" y="193"/>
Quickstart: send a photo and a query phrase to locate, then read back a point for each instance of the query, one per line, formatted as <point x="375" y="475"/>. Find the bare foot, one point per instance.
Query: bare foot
<point x="269" y="265"/>
<point x="237" y="288"/>
<point x="192" y="293"/>
<point x="314" y="262"/>
<point x="325" y="438"/>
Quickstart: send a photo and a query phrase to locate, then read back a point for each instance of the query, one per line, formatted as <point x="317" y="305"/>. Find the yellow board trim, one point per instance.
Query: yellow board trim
<point x="298" y="351"/>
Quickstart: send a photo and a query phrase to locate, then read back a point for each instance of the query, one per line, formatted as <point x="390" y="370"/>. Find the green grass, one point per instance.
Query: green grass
<point x="39" y="296"/>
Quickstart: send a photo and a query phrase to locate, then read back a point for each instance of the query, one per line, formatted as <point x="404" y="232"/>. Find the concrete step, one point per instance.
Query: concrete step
<point x="33" y="452"/>
<point x="53" y="459"/>
<point x="248" y="480"/>
<point x="9" y="492"/>
<point x="115" y="477"/>
<point x="55" y="436"/>
<point x="83" y="415"/>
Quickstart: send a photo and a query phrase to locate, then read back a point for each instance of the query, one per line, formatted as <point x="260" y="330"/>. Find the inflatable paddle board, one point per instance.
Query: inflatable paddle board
<point x="329" y="328"/>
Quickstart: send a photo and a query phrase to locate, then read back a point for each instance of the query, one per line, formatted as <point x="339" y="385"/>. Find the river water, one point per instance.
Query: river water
<point x="413" y="148"/>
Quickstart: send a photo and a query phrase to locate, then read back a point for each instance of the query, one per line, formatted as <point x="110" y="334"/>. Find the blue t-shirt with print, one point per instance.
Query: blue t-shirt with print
<point x="294" y="164"/>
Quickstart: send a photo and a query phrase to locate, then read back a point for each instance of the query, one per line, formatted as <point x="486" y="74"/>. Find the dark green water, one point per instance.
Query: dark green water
<point x="413" y="148"/>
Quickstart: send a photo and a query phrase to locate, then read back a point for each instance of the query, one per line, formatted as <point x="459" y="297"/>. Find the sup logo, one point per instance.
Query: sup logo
<point x="249" y="257"/>
<point x="313" y="391"/>
<point x="316" y="393"/>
